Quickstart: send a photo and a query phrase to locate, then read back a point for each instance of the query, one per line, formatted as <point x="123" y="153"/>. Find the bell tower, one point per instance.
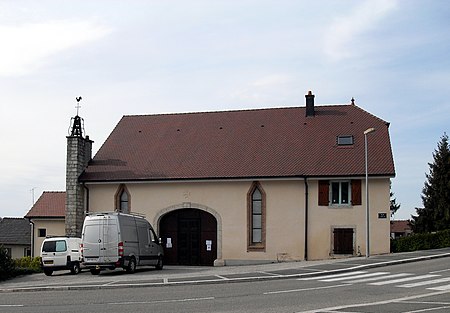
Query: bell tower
<point x="79" y="153"/>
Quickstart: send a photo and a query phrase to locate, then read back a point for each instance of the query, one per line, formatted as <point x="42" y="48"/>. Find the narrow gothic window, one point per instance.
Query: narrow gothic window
<point x="256" y="218"/>
<point x="123" y="200"/>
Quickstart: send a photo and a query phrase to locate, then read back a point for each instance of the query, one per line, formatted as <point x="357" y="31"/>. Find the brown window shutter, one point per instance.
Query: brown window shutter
<point x="324" y="192"/>
<point x="356" y="192"/>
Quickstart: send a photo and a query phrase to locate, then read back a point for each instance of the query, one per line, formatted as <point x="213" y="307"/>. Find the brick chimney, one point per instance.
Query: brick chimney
<point x="79" y="153"/>
<point x="310" y="104"/>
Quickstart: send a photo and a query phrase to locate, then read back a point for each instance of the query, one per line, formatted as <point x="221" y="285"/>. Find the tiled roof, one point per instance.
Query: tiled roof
<point x="279" y="142"/>
<point x="400" y="226"/>
<point x="49" y="204"/>
<point x="15" y="231"/>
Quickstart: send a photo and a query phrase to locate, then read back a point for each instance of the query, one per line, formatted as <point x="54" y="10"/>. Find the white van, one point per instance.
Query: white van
<point x="117" y="240"/>
<point x="61" y="253"/>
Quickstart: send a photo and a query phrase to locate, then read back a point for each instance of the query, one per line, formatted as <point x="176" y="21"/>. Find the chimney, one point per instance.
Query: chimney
<point x="309" y="104"/>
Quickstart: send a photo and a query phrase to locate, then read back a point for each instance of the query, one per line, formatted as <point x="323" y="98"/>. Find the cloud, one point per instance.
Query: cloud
<point x="27" y="47"/>
<point x="343" y="30"/>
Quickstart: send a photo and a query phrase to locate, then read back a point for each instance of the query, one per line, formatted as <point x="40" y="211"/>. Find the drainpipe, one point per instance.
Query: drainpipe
<point x="32" y="237"/>
<point x="86" y="199"/>
<point x="306" y="217"/>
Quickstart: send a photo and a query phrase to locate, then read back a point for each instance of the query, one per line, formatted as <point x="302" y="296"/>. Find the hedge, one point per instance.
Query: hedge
<point x="425" y="241"/>
<point x="10" y="268"/>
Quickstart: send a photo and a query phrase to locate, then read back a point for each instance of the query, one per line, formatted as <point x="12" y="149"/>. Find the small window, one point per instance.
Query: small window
<point x="42" y="232"/>
<point x="256" y="218"/>
<point x="340" y="193"/>
<point x="345" y="140"/>
<point x="123" y="200"/>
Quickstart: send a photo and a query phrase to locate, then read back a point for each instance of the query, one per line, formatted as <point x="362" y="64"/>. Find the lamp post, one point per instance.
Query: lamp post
<point x="366" y="132"/>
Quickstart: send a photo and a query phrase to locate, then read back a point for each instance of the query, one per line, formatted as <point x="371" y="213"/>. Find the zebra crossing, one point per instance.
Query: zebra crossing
<point x="431" y="281"/>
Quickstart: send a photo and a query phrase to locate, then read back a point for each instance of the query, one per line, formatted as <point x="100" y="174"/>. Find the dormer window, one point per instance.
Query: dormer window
<point x="346" y="140"/>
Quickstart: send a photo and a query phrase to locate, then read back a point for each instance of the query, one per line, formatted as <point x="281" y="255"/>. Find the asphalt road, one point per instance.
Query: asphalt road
<point x="413" y="288"/>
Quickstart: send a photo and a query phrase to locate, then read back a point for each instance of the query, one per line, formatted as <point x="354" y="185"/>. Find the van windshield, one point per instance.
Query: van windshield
<point x="54" y="246"/>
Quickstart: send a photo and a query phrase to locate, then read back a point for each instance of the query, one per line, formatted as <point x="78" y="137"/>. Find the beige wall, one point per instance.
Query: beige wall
<point x="285" y="215"/>
<point x="323" y="219"/>
<point x="54" y="227"/>
<point x="17" y="251"/>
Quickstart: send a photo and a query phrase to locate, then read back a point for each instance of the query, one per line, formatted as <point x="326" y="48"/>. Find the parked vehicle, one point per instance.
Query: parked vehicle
<point x="117" y="240"/>
<point x="61" y="253"/>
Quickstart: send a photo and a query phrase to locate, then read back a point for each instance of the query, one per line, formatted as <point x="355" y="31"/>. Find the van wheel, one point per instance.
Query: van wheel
<point x="95" y="271"/>
<point x="48" y="272"/>
<point x="160" y="264"/>
<point x="131" y="268"/>
<point x="75" y="268"/>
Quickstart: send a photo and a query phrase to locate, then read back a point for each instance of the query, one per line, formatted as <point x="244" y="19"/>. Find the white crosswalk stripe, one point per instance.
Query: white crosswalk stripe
<point x="355" y="276"/>
<point x="378" y="278"/>
<point x="440" y="288"/>
<point x="333" y="275"/>
<point x="426" y="282"/>
<point x="402" y="280"/>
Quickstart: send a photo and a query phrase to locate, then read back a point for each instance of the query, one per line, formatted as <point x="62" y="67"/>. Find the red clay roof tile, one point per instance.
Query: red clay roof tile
<point x="49" y="204"/>
<point x="280" y="142"/>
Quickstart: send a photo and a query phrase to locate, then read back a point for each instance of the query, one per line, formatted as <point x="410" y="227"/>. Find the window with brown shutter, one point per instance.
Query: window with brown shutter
<point x="324" y="193"/>
<point x="356" y="192"/>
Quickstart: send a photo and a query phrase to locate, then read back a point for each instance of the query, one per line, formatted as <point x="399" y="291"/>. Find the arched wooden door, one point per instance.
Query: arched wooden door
<point x="189" y="237"/>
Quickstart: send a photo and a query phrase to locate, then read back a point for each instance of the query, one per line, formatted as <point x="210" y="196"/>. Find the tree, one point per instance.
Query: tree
<point x="435" y="215"/>
<point x="394" y="206"/>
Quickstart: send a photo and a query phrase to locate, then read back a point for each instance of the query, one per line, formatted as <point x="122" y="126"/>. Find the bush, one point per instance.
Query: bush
<point x="29" y="263"/>
<point x="424" y="241"/>
<point x="6" y="265"/>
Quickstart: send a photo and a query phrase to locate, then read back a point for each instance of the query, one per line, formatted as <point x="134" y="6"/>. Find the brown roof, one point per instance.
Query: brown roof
<point x="49" y="204"/>
<point x="279" y="142"/>
<point x="400" y="226"/>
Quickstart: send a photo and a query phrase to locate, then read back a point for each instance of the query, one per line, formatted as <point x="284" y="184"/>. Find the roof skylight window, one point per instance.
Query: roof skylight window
<point x="345" y="140"/>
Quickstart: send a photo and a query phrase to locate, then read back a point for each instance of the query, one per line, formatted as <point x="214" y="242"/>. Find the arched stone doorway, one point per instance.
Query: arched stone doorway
<point x="189" y="237"/>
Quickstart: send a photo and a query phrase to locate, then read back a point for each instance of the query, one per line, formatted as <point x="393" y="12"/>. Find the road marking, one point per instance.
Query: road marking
<point x="435" y="272"/>
<point x="222" y="277"/>
<point x="440" y="288"/>
<point x="304" y="289"/>
<point x="333" y="276"/>
<point x="162" y="301"/>
<point x="427" y="282"/>
<point x="378" y="278"/>
<point x="398" y="300"/>
<point x="427" y="310"/>
<point x="355" y="276"/>
<point x="271" y="274"/>
<point x="401" y="280"/>
<point x="11" y="305"/>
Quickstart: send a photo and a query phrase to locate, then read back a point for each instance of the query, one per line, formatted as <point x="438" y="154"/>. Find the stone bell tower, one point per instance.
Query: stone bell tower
<point x="79" y="153"/>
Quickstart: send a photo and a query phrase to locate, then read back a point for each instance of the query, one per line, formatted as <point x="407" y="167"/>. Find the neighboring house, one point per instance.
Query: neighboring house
<point x="47" y="217"/>
<point x="15" y="236"/>
<point x="400" y="228"/>
<point x="237" y="187"/>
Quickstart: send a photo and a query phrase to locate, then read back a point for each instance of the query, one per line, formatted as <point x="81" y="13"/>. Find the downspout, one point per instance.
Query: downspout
<point x="32" y="237"/>
<point x="306" y="217"/>
<point x="86" y="199"/>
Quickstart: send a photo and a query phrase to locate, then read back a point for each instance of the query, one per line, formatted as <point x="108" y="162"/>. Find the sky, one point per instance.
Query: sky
<point x="151" y="57"/>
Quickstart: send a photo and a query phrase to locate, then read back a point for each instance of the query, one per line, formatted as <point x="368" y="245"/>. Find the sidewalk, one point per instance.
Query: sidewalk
<point x="176" y="275"/>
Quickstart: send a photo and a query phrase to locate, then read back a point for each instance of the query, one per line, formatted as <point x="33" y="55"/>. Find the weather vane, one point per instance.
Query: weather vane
<point x="78" y="106"/>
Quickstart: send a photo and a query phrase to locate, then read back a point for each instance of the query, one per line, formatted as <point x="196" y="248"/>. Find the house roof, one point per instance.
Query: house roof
<point x="264" y="143"/>
<point x="50" y="204"/>
<point x="400" y="226"/>
<point x="15" y="231"/>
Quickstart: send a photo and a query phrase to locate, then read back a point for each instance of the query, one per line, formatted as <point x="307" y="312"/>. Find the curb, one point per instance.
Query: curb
<point x="224" y="280"/>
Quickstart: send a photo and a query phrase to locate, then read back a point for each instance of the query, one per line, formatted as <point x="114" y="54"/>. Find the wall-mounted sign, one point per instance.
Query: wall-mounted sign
<point x="382" y="215"/>
<point x="169" y="243"/>
<point x="208" y="245"/>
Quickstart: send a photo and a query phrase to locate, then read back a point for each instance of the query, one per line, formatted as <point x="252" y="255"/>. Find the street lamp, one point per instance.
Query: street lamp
<point x="366" y="132"/>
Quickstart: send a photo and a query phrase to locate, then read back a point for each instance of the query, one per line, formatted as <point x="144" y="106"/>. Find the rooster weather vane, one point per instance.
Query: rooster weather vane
<point x="77" y="123"/>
